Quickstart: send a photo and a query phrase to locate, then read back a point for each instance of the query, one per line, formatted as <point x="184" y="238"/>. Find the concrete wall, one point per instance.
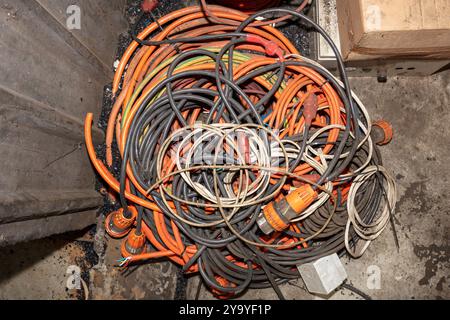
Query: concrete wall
<point x="50" y="78"/>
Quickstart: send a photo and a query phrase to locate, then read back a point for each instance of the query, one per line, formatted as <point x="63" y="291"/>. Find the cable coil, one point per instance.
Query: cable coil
<point x="241" y="159"/>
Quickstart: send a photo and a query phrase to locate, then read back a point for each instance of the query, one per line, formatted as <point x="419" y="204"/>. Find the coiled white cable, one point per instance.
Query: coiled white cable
<point x="368" y="232"/>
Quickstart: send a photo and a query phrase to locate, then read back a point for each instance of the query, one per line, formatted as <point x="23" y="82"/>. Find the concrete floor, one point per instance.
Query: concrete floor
<point x="418" y="157"/>
<point x="68" y="267"/>
<point x="41" y="269"/>
<point x="419" y="110"/>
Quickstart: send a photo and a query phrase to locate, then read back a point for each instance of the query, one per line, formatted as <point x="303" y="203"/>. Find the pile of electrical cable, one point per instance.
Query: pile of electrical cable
<point x="241" y="159"/>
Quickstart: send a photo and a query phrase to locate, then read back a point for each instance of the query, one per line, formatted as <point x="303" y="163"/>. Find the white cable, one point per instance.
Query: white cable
<point x="368" y="232"/>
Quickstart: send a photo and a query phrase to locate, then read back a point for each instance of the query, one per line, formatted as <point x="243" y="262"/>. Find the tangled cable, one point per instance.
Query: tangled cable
<point x="241" y="159"/>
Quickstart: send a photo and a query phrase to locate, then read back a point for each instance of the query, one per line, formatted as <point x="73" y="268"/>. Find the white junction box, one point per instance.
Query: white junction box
<point x="324" y="275"/>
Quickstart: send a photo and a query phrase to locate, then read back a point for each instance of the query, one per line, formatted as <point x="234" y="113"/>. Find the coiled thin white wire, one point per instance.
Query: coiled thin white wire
<point x="368" y="232"/>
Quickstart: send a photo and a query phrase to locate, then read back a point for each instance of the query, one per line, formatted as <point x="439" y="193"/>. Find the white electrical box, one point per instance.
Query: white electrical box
<point x="324" y="275"/>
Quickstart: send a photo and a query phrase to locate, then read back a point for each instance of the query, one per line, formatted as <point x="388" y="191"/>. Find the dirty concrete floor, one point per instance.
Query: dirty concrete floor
<point x="156" y="281"/>
<point x="418" y="157"/>
<point x="67" y="267"/>
<point x="44" y="269"/>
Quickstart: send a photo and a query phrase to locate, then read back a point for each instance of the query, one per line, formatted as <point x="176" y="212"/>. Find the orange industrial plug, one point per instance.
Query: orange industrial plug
<point x="149" y="5"/>
<point x="277" y="215"/>
<point x="311" y="105"/>
<point x="117" y="225"/>
<point x="134" y="244"/>
<point x="382" y="132"/>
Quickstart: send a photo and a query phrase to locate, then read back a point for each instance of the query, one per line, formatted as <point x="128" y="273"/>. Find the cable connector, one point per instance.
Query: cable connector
<point x="134" y="244"/>
<point x="311" y="105"/>
<point x="271" y="48"/>
<point x="117" y="224"/>
<point x="324" y="275"/>
<point x="382" y="132"/>
<point x="277" y="215"/>
<point x="149" y="5"/>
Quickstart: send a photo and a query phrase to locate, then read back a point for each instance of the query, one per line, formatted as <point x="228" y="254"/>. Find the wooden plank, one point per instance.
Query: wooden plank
<point x="101" y="22"/>
<point x="45" y="168"/>
<point x="12" y="233"/>
<point x="386" y="29"/>
<point x="38" y="62"/>
<point x="50" y="79"/>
